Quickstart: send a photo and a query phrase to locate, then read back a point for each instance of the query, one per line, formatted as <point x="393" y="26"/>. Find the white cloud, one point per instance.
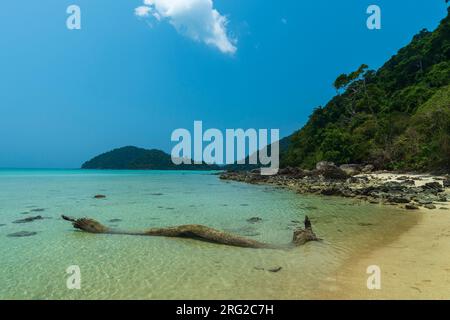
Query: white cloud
<point x="196" y="19"/>
<point x="142" y="11"/>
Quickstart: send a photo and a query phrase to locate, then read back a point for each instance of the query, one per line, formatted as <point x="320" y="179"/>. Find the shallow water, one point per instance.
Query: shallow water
<point x="132" y="267"/>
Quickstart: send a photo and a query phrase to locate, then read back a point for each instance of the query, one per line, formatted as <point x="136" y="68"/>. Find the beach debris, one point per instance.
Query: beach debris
<point x="254" y="219"/>
<point x="198" y="232"/>
<point x="99" y="196"/>
<point x="29" y="219"/>
<point x="22" y="234"/>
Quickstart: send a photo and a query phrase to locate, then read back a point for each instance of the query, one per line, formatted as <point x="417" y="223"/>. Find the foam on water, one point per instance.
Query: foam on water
<point x="131" y="267"/>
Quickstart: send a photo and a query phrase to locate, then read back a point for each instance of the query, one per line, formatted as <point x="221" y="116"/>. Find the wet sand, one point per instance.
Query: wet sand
<point x="414" y="266"/>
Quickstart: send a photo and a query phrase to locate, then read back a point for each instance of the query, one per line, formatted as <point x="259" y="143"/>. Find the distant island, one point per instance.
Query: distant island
<point x="134" y="158"/>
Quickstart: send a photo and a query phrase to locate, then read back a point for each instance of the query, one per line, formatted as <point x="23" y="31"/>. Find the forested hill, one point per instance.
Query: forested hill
<point x="397" y="117"/>
<point x="133" y="158"/>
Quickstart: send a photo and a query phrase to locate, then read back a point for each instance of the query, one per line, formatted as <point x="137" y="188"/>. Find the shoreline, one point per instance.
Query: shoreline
<point x="413" y="265"/>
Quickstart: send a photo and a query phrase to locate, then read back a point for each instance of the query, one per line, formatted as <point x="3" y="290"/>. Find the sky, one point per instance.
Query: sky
<point x="137" y="70"/>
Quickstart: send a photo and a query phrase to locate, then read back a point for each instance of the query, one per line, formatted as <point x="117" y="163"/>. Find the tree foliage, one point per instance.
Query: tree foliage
<point x="397" y="117"/>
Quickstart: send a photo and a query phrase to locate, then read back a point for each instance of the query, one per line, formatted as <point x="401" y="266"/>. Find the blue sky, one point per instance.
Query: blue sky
<point x="67" y="95"/>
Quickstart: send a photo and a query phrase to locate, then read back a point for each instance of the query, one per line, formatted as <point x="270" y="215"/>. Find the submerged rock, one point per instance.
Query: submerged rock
<point x="275" y="269"/>
<point x="29" y="219"/>
<point x="22" y="234"/>
<point x="99" y="196"/>
<point x="115" y="220"/>
<point x="37" y="210"/>
<point x="254" y="219"/>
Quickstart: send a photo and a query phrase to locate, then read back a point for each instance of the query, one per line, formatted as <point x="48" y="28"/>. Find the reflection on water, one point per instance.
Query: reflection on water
<point x="130" y="267"/>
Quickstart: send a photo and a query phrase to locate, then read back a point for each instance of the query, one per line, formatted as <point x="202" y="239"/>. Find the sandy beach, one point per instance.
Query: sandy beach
<point x="414" y="266"/>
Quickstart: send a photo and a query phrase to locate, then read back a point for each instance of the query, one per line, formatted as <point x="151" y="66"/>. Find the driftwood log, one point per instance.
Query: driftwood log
<point x="198" y="232"/>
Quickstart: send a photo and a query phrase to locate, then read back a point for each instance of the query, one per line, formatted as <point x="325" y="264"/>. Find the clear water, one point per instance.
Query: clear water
<point x="132" y="267"/>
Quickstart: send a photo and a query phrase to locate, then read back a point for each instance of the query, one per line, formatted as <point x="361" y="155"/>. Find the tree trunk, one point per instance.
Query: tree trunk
<point x="198" y="232"/>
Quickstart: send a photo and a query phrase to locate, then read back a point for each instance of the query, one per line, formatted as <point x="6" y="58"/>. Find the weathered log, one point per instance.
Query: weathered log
<point x="197" y="232"/>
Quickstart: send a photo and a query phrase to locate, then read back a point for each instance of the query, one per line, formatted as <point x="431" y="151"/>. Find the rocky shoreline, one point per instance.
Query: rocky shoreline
<point x="409" y="191"/>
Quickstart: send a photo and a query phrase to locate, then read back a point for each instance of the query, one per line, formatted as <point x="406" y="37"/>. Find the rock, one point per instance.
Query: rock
<point x="330" y="171"/>
<point x="22" y="234"/>
<point x="367" y="169"/>
<point x="430" y="206"/>
<point x="254" y="219"/>
<point x="434" y="186"/>
<point x="100" y="196"/>
<point x="29" y="219"/>
<point x="324" y="164"/>
<point x="2" y="224"/>
<point x="446" y="183"/>
<point x="423" y="201"/>
<point x="399" y="199"/>
<point x="443" y="208"/>
<point x="365" y="224"/>
<point x="37" y="210"/>
<point x="411" y="206"/>
<point x="351" y="169"/>
<point x="276" y="269"/>
<point x="156" y="194"/>
<point x="115" y="220"/>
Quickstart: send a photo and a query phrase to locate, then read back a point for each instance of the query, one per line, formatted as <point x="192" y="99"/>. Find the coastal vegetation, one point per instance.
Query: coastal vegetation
<point x="133" y="158"/>
<point x="397" y="117"/>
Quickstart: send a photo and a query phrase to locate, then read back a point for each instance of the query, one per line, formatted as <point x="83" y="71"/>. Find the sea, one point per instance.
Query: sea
<point x="41" y="265"/>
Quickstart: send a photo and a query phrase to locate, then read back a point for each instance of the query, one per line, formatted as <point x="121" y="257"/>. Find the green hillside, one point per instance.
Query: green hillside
<point x="397" y="117"/>
<point x="133" y="158"/>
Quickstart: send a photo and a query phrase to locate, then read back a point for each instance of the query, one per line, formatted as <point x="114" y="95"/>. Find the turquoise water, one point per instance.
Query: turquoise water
<point x="132" y="267"/>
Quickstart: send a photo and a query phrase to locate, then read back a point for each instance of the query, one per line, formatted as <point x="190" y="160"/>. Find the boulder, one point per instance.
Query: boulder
<point x="430" y="206"/>
<point x="433" y="186"/>
<point x="367" y="168"/>
<point x="351" y="169"/>
<point x="411" y="206"/>
<point x="446" y="183"/>
<point x="324" y="165"/>
<point x="330" y="171"/>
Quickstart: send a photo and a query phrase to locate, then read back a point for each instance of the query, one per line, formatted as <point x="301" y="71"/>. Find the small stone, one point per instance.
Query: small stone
<point x="430" y="206"/>
<point x="276" y="269"/>
<point x="411" y="206"/>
